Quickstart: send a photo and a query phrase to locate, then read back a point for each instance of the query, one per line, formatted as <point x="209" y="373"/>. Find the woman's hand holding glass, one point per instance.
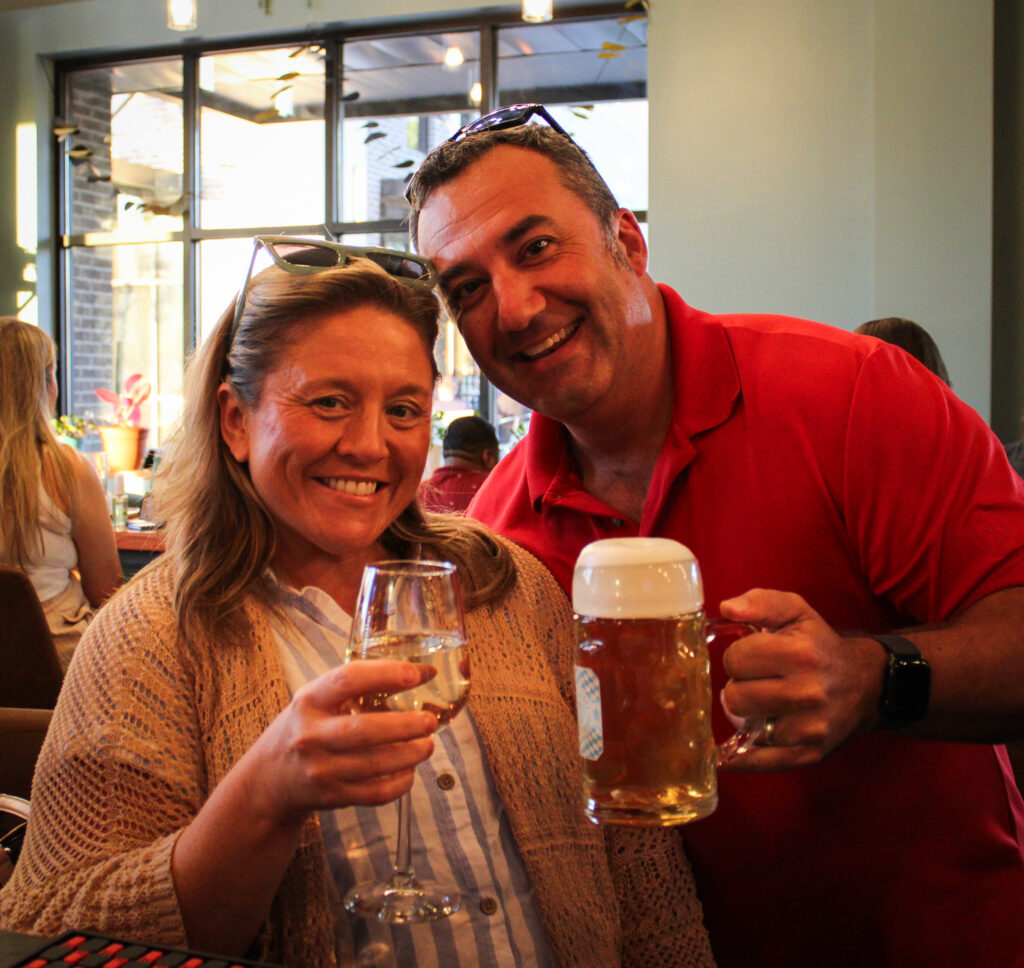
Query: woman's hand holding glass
<point x="321" y="753"/>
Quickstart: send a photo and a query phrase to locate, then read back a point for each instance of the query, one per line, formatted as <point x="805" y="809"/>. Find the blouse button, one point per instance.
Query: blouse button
<point x="446" y="781"/>
<point x="488" y="906"/>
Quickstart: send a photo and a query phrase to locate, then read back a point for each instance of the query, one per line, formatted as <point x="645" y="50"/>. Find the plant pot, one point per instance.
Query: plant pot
<point x="124" y="446"/>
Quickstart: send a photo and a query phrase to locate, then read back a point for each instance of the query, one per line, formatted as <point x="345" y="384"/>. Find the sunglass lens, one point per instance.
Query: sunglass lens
<point x="309" y="255"/>
<point x="397" y="265"/>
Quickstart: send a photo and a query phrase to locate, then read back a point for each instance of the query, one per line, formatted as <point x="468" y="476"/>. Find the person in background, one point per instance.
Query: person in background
<point x="834" y="493"/>
<point x="908" y="335"/>
<point x="470" y="451"/>
<point x="209" y="782"/>
<point x="54" y="522"/>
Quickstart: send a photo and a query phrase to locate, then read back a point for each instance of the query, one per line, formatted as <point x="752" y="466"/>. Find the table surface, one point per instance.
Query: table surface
<point x="140" y="540"/>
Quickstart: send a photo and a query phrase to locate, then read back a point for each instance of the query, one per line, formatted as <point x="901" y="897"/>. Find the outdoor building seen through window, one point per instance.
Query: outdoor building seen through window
<point x="153" y="250"/>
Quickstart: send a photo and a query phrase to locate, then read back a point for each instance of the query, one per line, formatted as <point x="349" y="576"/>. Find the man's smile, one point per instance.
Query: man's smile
<point x="550" y="343"/>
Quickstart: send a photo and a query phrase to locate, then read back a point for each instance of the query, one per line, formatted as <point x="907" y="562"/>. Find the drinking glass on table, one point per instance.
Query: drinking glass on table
<point x="410" y="611"/>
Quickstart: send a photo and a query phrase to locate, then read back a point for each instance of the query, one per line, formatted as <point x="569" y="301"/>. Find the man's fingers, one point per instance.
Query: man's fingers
<point x="763" y="606"/>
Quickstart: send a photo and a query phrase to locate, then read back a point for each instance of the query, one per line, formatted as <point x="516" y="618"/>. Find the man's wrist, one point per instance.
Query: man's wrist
<point x="906" y="685"/>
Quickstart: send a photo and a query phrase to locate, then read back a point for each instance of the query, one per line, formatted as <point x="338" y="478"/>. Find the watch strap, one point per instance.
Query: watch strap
<point x="897" y="645"/>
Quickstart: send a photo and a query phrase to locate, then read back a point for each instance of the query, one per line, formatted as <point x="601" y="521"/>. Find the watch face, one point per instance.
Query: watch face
<point x="906" y="691"/>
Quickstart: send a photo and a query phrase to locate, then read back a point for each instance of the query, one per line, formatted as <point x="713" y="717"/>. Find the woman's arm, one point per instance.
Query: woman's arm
<point x="93" y="535"/>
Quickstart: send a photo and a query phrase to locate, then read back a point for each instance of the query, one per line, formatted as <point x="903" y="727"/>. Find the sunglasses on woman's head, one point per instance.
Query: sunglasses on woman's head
<point x="308" y="256"/>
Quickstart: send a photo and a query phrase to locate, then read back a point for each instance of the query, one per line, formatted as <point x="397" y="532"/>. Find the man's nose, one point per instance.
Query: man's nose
<point x="518" y="300"/>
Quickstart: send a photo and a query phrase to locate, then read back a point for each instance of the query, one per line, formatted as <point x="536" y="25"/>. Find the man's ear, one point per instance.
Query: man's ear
<point x="631" y="240"/>
<point x="489" y="458"/>
<point x="234" y="425"/>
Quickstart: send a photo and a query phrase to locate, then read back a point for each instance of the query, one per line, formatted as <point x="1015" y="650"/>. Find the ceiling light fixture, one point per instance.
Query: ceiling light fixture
<point x="537" y="11"/>
<point x="453" y="57"/>
<point x="181" y="14"/>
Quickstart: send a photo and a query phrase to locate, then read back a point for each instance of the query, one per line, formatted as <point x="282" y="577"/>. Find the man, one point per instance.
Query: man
<point x="470" y="451"/>
<point x="832" y="490"/>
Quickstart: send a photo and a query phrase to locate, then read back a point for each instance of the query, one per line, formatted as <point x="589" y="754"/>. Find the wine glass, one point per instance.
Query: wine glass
<point x="410" y="611"/>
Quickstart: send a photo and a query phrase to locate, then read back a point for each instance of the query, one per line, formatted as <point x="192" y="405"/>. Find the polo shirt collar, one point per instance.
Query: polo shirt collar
<point x="706" y="385"/>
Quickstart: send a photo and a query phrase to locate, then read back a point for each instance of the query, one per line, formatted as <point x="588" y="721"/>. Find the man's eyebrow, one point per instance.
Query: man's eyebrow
<point x="509" y="237"/>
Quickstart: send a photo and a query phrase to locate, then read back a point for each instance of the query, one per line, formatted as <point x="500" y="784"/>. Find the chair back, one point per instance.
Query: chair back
<point x="30" y="672"/>
<point x="22" y="732"/>
<point x="14" y="813"/>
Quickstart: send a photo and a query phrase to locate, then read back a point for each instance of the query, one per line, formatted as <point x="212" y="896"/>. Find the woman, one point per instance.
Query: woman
<point x="204" y="756"/>
<point x="54" y="523"/>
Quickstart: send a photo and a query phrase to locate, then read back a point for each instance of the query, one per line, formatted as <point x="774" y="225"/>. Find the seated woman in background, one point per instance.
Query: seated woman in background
<point x="53" y="516"/>
<point x="208" y="780"/>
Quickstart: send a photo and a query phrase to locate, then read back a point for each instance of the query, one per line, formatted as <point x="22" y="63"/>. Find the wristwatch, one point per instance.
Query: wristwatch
<point x="907" y="683"/>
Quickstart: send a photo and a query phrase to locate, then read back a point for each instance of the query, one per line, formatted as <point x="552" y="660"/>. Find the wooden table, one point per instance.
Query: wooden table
<point x="136" y="549"/>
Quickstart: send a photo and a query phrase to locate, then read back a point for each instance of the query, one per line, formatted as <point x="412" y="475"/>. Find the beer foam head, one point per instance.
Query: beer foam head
<point x="636" y="578"/>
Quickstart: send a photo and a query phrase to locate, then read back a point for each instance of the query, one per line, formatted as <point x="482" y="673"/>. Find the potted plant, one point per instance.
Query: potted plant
<point x="70" y="428"/>
<point x="124" y="441"/>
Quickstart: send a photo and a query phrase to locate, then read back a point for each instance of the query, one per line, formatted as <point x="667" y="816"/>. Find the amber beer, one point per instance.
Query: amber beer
<point x="643" y="683"/>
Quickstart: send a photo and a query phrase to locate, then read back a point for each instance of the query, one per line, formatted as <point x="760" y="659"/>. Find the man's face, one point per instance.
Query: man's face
<point x="543" y="294"/>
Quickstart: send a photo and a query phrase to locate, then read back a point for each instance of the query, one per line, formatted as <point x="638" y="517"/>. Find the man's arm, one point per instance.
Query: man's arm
<point x="823" y="688"/>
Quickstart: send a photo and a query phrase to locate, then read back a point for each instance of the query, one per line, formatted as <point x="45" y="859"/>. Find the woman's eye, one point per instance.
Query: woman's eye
<point x="405" y="411"/>
<point x="329" y="403"/>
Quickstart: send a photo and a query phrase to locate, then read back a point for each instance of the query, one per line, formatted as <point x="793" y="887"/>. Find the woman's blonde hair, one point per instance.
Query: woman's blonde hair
<point x="29" y="450"/>
<point x="220" y="534"/>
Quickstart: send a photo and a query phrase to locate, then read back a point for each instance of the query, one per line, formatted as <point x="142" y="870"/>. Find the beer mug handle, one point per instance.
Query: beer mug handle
<point x="752" y="728"/>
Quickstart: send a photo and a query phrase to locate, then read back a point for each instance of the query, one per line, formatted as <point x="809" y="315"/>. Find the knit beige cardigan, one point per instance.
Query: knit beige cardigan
<point x="146" y="727"/>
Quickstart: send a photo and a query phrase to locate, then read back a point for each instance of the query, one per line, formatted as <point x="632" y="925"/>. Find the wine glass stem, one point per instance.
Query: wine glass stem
<point x="403" y="853"/>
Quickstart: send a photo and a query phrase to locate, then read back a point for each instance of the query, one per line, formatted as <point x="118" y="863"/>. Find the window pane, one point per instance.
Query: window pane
<point x="592" y="76"/>
<point x="126" y="317"/>
<point x="400" y="97"/>
<point x="262" y="137"/>
<point x="221" y="271"/>
<point x="126" y="158"/>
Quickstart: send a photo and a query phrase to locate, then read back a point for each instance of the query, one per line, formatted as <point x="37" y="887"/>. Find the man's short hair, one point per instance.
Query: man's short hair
<point x="451" y="158"/>
<point x="469" y="435"/>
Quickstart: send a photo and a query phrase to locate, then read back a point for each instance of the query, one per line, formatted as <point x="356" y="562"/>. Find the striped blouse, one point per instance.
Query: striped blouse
<point x="460" y="833"/>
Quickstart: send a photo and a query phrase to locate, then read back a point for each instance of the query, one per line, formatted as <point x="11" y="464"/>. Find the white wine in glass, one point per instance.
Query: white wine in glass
<point x="410" y="611"/>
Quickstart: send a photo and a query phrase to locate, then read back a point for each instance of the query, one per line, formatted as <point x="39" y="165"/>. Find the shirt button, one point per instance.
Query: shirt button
<point x="446" y="781"/>
<point x="615" y="522"/>
<point x="488" y="906"/>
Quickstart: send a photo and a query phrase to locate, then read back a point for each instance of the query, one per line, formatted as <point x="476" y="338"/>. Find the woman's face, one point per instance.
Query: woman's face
<point x="336" y="446"/>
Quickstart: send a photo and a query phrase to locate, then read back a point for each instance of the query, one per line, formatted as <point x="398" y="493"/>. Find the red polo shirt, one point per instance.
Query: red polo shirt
<point x="807" y="459"/>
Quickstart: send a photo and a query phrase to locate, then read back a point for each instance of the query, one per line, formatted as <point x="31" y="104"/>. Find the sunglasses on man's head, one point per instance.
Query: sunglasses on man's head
<point x="514" y="116"/>
<point x="309" y="256"/>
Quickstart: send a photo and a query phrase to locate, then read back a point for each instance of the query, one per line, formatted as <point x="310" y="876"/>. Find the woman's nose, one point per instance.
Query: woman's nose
<point x="364" y="437"/>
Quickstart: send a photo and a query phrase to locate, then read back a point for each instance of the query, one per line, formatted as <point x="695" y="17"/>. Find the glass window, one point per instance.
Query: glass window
<point x="148" y="274"/>
<point x="126" y="317"/>
<point x="261" y="137"/>
<point x="126" y="155"/>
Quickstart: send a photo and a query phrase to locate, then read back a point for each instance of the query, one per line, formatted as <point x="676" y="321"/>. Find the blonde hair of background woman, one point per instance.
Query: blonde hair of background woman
<point x="29" y="449"/>
<point x="220" y="536"/>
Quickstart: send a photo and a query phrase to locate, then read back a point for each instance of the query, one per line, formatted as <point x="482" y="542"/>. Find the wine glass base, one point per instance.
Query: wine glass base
<point x="405" y="903"/>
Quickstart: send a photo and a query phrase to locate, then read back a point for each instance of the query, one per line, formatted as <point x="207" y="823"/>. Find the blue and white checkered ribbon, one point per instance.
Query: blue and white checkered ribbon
<point x="588" y="712"/>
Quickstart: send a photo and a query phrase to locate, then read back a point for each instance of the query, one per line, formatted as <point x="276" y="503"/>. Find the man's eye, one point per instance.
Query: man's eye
<point x="464" y="291"/>
<point x="537" y="246"/>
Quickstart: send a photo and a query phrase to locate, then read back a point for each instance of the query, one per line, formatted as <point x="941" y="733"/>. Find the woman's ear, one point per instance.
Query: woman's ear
<point x="234" y="425"/>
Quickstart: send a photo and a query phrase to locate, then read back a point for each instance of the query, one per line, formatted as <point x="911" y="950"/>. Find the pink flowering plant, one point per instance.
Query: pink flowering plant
<point x="128" y="403"/>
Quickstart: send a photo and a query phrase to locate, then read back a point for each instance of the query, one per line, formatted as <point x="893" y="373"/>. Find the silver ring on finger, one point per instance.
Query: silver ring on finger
<point x="768" y="734"/>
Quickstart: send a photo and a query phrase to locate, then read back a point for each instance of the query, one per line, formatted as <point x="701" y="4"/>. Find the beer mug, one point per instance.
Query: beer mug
<point x="643" y="684"/>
